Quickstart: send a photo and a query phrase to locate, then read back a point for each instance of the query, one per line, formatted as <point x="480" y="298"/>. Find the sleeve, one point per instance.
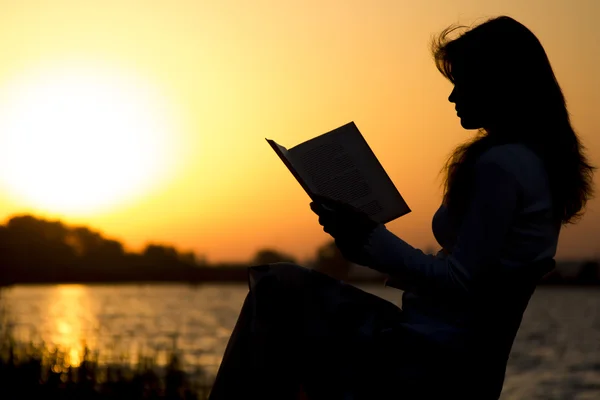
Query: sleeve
<point x="479" y="244"/>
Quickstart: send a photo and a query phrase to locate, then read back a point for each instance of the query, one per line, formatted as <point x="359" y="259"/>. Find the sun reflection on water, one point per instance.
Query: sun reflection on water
<point x="68" y="315"/>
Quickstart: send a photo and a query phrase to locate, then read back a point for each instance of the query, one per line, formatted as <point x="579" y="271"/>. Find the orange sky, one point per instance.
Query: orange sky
<point x="238" y="71"/>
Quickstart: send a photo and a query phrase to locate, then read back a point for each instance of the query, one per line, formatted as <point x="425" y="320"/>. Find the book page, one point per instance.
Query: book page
<point x="332" y="172"/>
<point x="341" y="165"/>
<point x="284" y="155"/>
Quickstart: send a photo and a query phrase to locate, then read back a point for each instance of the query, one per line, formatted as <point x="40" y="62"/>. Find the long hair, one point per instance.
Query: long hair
<point x="508" y="62"/>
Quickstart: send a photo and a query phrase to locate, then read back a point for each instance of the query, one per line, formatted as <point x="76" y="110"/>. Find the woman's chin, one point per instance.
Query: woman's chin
<point x="469" y="124"/>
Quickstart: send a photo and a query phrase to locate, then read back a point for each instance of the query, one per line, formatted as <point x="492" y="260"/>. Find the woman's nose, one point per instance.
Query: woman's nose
<point x="452" y="97"/>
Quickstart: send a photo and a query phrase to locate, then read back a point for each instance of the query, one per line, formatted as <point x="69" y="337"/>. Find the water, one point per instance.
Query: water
<point x="556" y="354"/>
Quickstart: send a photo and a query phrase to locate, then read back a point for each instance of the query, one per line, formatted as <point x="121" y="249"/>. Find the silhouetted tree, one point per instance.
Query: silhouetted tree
<point x="36" y="249"/>
<point x="200" y="260"/>
<point x="188" y="257"/>
<point x="85" y="241"/>
<point x="330" y="261"/>
<point x="27" y="227"/>
<point x="160" y="252"/>
<point x="267" y="256"/>
<point x="111" y="249"/>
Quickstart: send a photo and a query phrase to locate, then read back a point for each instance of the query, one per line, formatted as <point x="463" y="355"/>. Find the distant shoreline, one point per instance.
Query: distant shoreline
<point x="35" y="251"/>
<point x="163" y="282"/>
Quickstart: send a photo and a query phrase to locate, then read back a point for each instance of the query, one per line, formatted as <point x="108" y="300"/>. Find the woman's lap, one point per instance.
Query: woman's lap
<point x="305" y="325"/>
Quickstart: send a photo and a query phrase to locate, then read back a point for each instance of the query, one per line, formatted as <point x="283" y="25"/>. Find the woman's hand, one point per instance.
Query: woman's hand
<point x="349" y="227"/>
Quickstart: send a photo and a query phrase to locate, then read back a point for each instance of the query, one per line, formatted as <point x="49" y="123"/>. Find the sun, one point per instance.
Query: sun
<point x="82" y="139"/>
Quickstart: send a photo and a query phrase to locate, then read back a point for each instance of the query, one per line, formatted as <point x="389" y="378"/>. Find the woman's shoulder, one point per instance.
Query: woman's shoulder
<point x="518" y="160"/>
<point x="512" y="157"/>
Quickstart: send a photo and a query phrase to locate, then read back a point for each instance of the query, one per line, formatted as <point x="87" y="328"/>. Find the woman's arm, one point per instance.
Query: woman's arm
<point x="479" y="243"/>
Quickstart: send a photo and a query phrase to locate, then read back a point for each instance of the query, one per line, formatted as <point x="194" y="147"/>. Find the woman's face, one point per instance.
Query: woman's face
<point x="472" y="97"/>
<point x="469" y="105"/>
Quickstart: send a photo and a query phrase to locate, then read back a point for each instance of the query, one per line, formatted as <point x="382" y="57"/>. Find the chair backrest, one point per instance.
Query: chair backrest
<point x="498" y="314"/>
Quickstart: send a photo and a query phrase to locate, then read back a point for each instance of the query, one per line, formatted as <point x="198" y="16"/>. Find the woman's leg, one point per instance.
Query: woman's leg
<point x="259" y="359"/>
<point x="233" y="377"/>
<point x="300" y="326"/>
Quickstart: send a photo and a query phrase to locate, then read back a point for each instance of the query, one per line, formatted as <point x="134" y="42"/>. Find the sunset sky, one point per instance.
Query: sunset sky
<point x="147" y="119"/>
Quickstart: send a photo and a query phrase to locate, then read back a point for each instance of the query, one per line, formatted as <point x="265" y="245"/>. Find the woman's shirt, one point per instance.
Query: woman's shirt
<point x="508" y="225"/>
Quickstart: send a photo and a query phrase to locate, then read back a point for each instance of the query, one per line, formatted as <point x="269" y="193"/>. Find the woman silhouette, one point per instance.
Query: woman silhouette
<point x="507" y="193"/>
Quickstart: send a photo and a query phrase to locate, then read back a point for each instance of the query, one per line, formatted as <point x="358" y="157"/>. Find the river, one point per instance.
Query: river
<point x="556" y="354"/>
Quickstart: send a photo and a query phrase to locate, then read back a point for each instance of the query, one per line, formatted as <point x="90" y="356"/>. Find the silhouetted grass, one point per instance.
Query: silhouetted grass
<point x="38" y="371"/>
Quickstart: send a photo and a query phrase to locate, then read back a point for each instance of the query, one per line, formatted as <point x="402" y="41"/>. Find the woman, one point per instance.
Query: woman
<point x="507" y="193"/>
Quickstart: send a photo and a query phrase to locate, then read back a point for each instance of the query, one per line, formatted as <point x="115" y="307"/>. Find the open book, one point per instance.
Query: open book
<point x="340" y="164"/>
